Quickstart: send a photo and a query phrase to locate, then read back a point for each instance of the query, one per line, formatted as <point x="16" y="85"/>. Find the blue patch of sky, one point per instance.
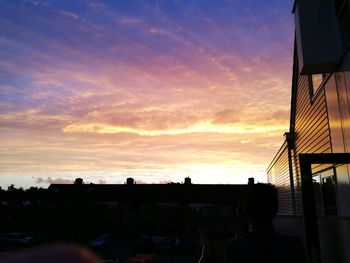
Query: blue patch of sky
<point x="216" y="27"/>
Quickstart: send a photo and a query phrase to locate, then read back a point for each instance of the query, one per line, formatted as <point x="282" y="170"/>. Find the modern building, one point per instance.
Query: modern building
<point x="311" y="169"/>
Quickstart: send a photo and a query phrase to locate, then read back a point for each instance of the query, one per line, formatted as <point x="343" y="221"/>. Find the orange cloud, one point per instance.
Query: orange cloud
<point x="108" y="92"/>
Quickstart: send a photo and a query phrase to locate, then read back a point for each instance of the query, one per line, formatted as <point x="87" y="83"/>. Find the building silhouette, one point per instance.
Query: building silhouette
<point x="311" y="169"/>
<point x="191" y="207"/>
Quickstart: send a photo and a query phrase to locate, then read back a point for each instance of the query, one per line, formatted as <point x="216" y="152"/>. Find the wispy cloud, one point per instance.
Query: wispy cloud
<point x="161" y="89"/>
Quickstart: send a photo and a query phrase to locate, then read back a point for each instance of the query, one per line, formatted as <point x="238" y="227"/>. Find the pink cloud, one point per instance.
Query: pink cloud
<point x="141" y="75"/>
<point x="226" y="116"/>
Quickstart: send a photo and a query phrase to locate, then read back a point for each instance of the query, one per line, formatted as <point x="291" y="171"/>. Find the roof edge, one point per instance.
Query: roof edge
<point x="280" y="150"/>
<point x="294" y="6"/>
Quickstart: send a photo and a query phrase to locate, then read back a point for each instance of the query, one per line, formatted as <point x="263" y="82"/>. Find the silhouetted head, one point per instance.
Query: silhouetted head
<point x="262" y="203"/>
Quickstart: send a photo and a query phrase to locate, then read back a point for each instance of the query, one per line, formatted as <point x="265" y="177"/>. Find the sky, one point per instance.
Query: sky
<point x="154" y="90"/>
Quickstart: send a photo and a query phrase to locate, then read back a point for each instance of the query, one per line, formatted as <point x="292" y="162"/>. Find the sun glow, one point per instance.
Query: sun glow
<point x="201" y="127"/>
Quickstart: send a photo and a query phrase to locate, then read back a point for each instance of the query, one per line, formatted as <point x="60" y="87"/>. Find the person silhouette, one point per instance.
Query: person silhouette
<point x="262" y="244"/>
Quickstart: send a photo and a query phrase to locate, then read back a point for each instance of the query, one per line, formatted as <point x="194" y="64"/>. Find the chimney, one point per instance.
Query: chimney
<point x="188" y="180"/>
<point x="130" y="181"/>
<point x="251" y="181"/>
<point x="78" y="181"/>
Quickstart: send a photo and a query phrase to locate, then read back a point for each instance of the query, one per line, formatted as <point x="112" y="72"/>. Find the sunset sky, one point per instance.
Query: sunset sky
<point x="155" y="90"/>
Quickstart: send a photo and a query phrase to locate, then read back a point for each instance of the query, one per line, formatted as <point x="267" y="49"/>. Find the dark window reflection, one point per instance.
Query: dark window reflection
<point x="325" y="193"/>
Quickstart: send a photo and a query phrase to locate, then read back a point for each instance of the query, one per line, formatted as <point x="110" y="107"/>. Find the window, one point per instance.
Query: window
<point x="325" y="192"/>
<point x="315" y="82"/>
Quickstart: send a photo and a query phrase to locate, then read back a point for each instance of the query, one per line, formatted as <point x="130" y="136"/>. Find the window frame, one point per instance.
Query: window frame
<point x="308" y="201"/>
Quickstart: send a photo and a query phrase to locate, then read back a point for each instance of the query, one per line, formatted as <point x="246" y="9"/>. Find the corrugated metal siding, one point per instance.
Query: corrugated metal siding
<point x="278" y="174"/>
<point x="343" y="91"/>
<point x="311" y="121"/>
<point x="311" y="126"/>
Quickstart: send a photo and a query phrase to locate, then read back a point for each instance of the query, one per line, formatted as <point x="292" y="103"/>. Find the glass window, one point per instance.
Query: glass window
<point x="325" y="192"/>
<point x="318" y="194"/>
<point x="329" y="198"/>
<point x="315" y="82"/>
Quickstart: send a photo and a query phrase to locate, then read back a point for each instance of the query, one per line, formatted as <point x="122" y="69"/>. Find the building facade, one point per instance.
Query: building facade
<point x="311" y="169"/>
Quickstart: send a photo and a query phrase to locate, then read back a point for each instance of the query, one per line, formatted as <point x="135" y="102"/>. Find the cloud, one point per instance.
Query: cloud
<point x="39" y="180"/>
<point x="69" y="14"/>
<point x="33" y="118"/>
<point x="226" y="116"/>
<point x="56" y="180"/>
<point x="199" y="127"/>
<point x="129" y="20"/>
<point x="35" y="2"/>
<point x="165" y="181"/>
<point x="281" y="115"/>
<point x="161" y="90"/>
<point x="96" y="6"/>
<point x="149" y="181"/>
